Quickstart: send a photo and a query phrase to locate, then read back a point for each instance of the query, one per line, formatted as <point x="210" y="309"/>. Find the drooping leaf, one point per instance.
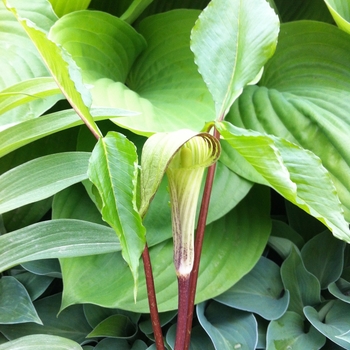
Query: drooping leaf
<point x="323" y="256"/>
<point x="289" y="331"/>
<point x="244" y="231"/>
<point x="228" y="329"/>
<point x="62" y="67"/>
<point x="55" y="239"/>
<point x="304" y="288"/>
<point x="232" y="40"/>
<point x="41" y="178"/>
<point x="340" y="289"/>
<point x="340" y="12"/>
<point x="297" y="174"/>
<point x="15" y="304"/>
<point x="113" y="169"/>
<point x="70" y="323"/>
<point x="303" y="96"/>
<point x="334" y="325"/>
<point x="62" y="7"/>
<point x="42" y="342"/>
<point x="259" y="292"/>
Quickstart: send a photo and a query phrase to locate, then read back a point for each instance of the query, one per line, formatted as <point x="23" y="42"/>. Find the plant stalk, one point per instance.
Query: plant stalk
<point x="203" y="214"/>
<point x="152" y="300"/>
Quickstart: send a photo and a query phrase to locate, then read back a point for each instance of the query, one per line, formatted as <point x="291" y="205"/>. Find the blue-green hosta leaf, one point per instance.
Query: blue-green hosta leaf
<point x="323" y="256"/>
<point x="295" y="173"/>
<point x="227" y="328"/>
<point x="42" y="342"/>
<point x="288" y="332"/>
<point x="259" y="292"/>
<point x="113" y="169"/>
<point x="304" y="288"/>
<point x="15" y="303"/>
<point x="60" y="64"/>
<point x="238" y="239"/>
<point x="232" y="40"/>
<point x="62" y="7"/>
<point x="20" y="63"/>
<point x="62" y="238"/>
<point x="334" y="324"/>
<point x="340" y="12"/>
<point x="304" y="95"/>
<point x="41" y="178"/>
<point x="340" y="289"/>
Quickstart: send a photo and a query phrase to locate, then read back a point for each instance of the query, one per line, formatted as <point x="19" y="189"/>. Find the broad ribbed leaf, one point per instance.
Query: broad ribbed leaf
<point x="37" y="17"/>
<point x="238" y="239"/>
<point x="62" y="7"/>
<point x="227" y="328"/>
<point x="304" y="96"/>
<point x="261" y="291"/>
<point x="15" y="304"/>
<point x="232" y="40"/>
<point x="41" y="178"/>
<point x="334" y="324"/>
<point x="289" y="332"/>
<point x="42" y="342"/>
<point x="55" y="239"/>
<point x="295" y="173"/>
<point x="340" y="12"/>
<point x="113" y="169"/>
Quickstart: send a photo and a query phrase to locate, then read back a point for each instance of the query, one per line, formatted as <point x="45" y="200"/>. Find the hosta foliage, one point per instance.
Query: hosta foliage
<point x="274" y="83"/>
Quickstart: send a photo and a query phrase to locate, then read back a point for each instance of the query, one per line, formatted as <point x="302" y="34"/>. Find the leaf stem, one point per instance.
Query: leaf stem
<point x="152" y="300"/>
<point x="198" y="247"/>
<point x="182" y="319"/>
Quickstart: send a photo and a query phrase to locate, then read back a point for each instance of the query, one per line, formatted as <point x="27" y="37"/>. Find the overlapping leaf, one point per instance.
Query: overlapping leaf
<point x="304" y="96"/>
<point x="340" y="12"/>
<point x="232" y="40"/>
<point x="62" y="7"/>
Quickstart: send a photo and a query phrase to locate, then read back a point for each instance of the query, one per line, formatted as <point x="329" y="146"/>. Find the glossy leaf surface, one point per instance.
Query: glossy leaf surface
<point x="232" y="40"/>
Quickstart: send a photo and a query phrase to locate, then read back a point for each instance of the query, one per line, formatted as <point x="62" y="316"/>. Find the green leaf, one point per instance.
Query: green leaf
<point x="113" y="169"/>
<point x="295" y="173"/>
<point x="304" y="288"/>
<point x="70" y="323"/>
<point x="15" y="304"/>
<point x="134" y="10"/>
<point x="334" y="325"/>
<point x="259" y="292"/>
<point x="340" y="289"/>
<point x="42" y="342"/>
<point x="238" y="239"/>
<point x="232" y="40"/>
<point x="41" y="178"/>
<point x="62" y="67"/>
<point x="340" y="12"/>
<point x="303" y="97"/>
<point x="289" y="332"/>
<point x="62" y="7"/>
<point x="227" y="328"/>
<point x="53" y="239"/>
<point x="323" y="256"/>
<point x="115" y="326"/>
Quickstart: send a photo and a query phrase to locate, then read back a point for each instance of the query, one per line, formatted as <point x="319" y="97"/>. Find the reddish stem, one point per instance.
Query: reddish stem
<point x="181" y="328"/>
<point x="202" y="220"/>
<point x="152" y="300"/>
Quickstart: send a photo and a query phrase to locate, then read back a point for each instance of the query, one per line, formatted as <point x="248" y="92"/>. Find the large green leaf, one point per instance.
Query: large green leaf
<point x="42" y="342"/>
<point x="228" y="329"/>
<point x="62" y="7"/>
<point x="232" y="40"/>
<point x="15" y="304"/>
<point x="296" y="173"/>
<point x="259" y="292"/>
<point x="304" y="96"/>
<point x="113" y="169"/>
<point x="237" y="239"/>
<point x="36" y="18"/>
<point x="288" y="332"/>
<point x="41" y="178"/>
<point x="55" y="239"/>
<point x="340" y="12"/>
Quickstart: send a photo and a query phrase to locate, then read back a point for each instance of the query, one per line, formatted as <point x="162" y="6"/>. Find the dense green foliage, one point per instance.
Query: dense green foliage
<point x="273" y="78"/>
